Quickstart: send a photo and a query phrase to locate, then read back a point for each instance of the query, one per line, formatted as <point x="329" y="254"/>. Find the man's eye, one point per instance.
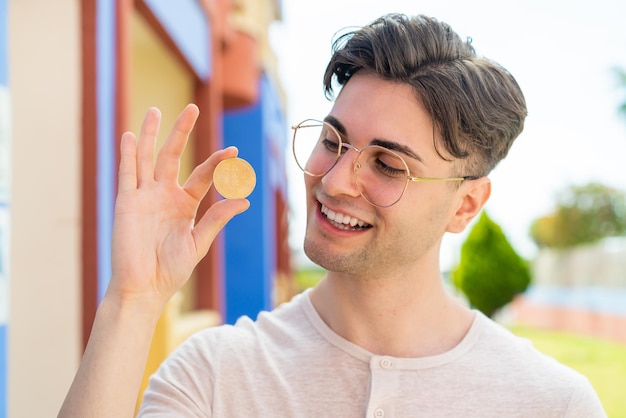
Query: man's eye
<point x="331" y="145"/>
<point x="388" y="170"/>
<point x="389" y="166"/>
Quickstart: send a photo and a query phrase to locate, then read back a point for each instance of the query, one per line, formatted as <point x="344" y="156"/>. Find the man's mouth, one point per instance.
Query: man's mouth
<point x="343" y="221"/>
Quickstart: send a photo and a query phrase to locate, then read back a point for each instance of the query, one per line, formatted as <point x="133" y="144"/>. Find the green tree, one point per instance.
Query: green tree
<point x="583" y="214"/>
<point x="490" y="272"/>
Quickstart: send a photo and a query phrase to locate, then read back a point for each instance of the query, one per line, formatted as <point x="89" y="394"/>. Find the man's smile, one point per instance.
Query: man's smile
<point x="343" y="221"/>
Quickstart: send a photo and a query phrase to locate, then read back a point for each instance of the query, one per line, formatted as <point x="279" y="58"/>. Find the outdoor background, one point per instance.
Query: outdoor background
<point x="564" y="55"/>
<point x="73" y="74"/>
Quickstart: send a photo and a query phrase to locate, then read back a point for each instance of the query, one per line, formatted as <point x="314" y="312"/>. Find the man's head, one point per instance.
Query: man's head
<point x="477" y="107"/>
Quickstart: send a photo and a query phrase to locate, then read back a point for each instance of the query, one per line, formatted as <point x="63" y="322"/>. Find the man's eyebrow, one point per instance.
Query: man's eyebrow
<point x="394" y="146"/>
<point x="336" y="124"/>
<point x="391" y="145"/>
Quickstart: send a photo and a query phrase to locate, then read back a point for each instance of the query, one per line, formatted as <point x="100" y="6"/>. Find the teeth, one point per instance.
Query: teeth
<point x="343" y="220"/>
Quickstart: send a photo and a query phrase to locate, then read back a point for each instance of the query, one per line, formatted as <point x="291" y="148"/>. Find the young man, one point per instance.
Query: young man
<point x="401" y="159"/>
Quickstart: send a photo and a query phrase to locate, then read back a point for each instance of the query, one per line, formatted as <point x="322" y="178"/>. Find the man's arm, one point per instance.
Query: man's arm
<point x="156" y="245"/>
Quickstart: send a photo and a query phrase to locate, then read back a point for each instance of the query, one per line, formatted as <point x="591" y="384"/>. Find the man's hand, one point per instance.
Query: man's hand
<point x="156" y="242"/>
<point x="156" y="245"/>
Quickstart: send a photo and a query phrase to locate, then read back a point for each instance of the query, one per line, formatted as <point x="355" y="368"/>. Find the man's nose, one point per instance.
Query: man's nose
<point x="340" y="179"/>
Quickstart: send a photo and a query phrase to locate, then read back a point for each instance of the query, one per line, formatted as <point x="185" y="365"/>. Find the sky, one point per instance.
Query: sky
<point x="562" y="53"/>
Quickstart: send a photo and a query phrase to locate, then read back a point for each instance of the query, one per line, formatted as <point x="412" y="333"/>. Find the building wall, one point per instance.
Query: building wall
<point x="597" y="264"/>
<point x="157" y="79"/>
<point x="47" y="120"/>
<point x="44" y="62"/>
<point x="254" y="18"/>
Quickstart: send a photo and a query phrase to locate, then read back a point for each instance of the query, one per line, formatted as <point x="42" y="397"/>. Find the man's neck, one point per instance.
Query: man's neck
<point x="395" y="316"/>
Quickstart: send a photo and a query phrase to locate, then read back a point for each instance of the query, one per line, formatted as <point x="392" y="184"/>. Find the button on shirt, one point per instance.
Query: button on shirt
<point x="383" y="386"/>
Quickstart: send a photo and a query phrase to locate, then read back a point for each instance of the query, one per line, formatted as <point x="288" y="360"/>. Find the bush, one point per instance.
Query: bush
<point x="490" y="272"/>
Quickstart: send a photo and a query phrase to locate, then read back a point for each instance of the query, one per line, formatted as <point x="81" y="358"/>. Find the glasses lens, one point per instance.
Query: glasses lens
<point x="381" y="175"/>
<point x="316" y="147"/>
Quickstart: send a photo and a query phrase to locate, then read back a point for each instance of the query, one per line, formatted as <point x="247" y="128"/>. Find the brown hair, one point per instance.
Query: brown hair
<point x="476" y="105"/>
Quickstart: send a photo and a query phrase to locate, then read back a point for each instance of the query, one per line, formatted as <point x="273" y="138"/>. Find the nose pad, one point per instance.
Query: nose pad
<point x="341" y="178"/>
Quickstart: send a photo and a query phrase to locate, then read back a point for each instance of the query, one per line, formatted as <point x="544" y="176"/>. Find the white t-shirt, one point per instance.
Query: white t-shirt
<point x="289" y="363"/>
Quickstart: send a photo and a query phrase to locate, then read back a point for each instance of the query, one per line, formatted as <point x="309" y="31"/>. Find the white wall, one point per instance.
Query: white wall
<point x="599" y="264"/>
<point x="44" y="77"/>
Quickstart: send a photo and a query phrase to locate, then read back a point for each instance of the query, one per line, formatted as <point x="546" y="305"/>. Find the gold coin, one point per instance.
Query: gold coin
<point x="234" y="178"/>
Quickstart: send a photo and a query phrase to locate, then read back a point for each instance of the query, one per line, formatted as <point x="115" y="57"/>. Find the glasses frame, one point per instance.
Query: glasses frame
<point x="356" y="165"/>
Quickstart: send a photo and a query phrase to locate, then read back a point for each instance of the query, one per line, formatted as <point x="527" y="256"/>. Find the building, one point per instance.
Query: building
<point x="80" y="74"/>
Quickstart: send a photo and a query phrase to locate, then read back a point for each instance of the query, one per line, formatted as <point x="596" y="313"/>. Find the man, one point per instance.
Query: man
<point x="400" y="160"/>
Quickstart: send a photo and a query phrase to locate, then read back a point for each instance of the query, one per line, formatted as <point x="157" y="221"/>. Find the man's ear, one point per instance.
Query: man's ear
<point x="475" y="194"/>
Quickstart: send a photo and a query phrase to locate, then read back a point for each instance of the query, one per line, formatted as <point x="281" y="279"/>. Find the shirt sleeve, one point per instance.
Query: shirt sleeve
<point x="181" y="387"/>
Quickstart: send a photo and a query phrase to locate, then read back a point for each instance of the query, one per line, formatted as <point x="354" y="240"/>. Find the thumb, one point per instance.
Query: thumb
<point x="214" y="220"/>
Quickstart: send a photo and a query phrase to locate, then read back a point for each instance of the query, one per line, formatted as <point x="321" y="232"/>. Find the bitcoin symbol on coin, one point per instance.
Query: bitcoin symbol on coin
<point x="234" y="178"/>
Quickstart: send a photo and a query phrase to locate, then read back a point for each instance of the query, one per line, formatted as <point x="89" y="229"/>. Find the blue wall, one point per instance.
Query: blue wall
<point x="250" y="238"/>
<point x="106" y="160"/>
<point x="4" y="206"/>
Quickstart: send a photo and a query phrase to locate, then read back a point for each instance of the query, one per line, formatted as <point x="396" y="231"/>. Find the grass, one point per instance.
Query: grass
<point x="603" y="362"/>
<point x="308" y="277"/>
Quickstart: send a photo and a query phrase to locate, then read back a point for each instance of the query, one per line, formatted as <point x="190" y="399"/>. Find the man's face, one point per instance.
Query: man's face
<point x="382" y="240"/>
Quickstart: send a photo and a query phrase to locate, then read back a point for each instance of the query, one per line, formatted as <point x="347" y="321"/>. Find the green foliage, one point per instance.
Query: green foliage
<point x="583" y="214"/>
<point x="490" y="272"/>
<point x="307" y="277"/>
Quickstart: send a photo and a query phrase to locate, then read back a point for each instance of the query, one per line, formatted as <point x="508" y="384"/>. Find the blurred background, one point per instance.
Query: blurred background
<point x="74" y="75"/>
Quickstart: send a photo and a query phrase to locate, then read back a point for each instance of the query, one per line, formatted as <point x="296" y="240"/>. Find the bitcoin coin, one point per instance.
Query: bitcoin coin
<point x="234" y="178"/>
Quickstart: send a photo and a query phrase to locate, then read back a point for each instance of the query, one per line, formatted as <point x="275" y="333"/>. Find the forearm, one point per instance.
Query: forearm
<point x="108" y="380"/>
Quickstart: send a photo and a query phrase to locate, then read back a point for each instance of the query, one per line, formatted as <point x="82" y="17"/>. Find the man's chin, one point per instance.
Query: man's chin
<point x="317" y="253"/>
<point x="328" y="259"/>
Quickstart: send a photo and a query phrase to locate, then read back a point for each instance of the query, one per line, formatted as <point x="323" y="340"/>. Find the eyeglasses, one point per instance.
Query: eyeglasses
<point x="381" y="175"/>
